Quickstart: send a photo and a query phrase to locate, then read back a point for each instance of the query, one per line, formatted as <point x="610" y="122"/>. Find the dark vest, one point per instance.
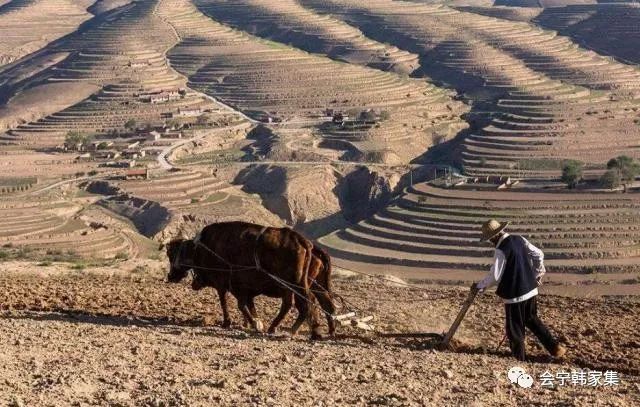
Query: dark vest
<point x="519" y="277"/>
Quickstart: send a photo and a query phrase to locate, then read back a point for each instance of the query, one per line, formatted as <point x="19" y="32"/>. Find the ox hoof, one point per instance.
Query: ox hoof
<point x="258" y="326"/>
<point x="226" y="324"/>
<point x="315" y="336"/>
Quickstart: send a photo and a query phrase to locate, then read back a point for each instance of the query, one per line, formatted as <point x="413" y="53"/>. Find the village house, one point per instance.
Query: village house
<point x="100" y="145"/>
<point x="106" y="155"/>
<point x="152" y="136"/>
<point x="142" y="173"/>
<point x="172" y="134"/>
<point x="120" y="164"/>
<point x="189" y="112"/>
<point x="84" y="157"/>
<point x="133" y="153"/>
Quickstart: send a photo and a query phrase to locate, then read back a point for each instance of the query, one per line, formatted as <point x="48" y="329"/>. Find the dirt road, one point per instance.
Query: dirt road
<point x="111" y="337"/>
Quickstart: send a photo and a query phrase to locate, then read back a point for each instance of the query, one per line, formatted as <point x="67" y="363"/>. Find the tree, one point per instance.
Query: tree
<point x="572" y="173"/>
<point x="130" y="124"/>
<point x="626" y="168"/>
<point x="75" y="139"/>
<point x="367" y="116"/>
<point x="610" y="179"/>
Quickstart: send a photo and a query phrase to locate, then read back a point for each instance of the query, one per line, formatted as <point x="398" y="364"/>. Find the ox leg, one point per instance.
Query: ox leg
<point x="303" y="309"/>
<point x="287" y="301"/>
<point x="324" y="298"/>
<point x="304" y="304"/>
<point x="312" y="316"/>
<point x="226" y="320"/>
<point x="252" y="310"/>
<point x="243" y="305"/>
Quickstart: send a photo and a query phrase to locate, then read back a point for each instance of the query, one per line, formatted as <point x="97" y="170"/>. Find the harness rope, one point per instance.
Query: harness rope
<point x="197" y="241"/>
<point x="346" y="304"/>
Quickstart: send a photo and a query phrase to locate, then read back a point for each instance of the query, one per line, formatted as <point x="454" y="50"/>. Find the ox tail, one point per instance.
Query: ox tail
<point x="325" y="277"/>
<point x="308" y="248"/>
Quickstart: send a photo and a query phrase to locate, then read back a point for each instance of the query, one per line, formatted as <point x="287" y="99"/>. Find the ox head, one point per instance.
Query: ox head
<point x="199" y="281"/>
<point x="180" y="254"/>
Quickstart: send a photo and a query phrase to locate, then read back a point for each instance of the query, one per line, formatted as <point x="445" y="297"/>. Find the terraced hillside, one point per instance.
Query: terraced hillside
<point x="209" y="83"/>
<point x="61" y="228"/>
<point x="538" y="96"/>
<point x="584" y="24"/>
<point x="110" y="72"/>
<point x="28" y="25"/>
<point x="122" y="59"/>
<point x="288" y="22"/>
<point x="438" y="229"/>
<point x="270" y="81"/>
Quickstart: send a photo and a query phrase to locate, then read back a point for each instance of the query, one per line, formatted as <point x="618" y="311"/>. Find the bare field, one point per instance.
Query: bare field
<point x="108" y="337"/>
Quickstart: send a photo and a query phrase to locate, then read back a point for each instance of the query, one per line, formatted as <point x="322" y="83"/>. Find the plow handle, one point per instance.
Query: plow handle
<point x="463" y="311"/>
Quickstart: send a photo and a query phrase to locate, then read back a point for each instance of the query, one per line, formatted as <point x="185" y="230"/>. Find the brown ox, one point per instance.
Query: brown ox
<point x="248" y="260"/>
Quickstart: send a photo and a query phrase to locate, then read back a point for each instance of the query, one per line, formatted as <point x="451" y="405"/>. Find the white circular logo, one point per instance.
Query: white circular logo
<point x="525" y="381"/>
<point x="514" y="373"/>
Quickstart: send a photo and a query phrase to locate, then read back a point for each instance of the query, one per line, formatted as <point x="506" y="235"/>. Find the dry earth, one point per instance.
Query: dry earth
<point x="123" y="337"/>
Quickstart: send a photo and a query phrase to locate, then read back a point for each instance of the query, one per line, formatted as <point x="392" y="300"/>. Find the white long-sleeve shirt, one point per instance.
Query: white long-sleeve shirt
<point x="499" y="262"/>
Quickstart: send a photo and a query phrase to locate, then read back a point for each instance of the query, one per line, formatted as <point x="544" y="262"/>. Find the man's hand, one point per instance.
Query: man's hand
<point x="539" y="280"/>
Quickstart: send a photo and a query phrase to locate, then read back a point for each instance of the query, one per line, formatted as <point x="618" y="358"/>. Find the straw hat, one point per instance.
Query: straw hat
<point x="491" y="228"/>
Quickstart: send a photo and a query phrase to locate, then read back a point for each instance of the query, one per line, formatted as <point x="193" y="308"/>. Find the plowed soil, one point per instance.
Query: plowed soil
<point x="112" y="337"/>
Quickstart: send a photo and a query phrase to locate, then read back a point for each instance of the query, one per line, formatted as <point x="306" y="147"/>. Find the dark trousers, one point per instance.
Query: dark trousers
<point x="525" y="314"/>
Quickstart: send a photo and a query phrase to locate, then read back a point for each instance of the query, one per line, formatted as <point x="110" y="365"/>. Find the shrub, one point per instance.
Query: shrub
<point x="572" y="173"/>
<point x="130" y="124"/>
<point x="368" y="116"/>
<point x="78" y="266"/>
<point x="121" y="256"/>
<point x="23" y="253"/>
<point x="437" y="139"/>
<point x="92" y="173"/>
<point x="385" y="115"/>
<point x="4" y="255"/>
<point x="610" y="179"/>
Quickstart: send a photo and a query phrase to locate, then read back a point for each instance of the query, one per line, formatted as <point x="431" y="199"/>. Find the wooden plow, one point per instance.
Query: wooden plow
<point x="443" y="340"/>
<point x="350" y="319"/>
